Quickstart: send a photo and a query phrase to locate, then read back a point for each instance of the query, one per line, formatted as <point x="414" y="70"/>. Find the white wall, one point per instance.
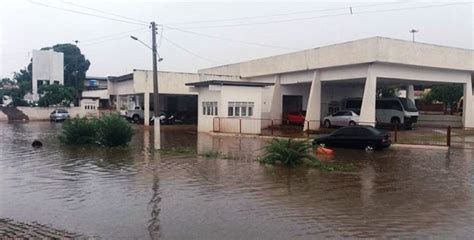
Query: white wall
<point x="250" y="125"/>
<point x="42" y="113"/>
<point x="223" y="95"/>
<point x="205" y="123"/>
<point x="102" y="94"/>
<point x="47" y="65"/>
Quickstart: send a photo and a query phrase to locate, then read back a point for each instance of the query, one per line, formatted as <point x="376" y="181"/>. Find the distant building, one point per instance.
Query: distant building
<point x="48" y="68"/>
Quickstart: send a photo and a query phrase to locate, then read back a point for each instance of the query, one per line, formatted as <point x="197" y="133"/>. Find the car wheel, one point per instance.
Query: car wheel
<point x="369" y="148"/>
<point x="352" y="123"/>
<point x="136" y="118"/>
<point x="327" y="124"/>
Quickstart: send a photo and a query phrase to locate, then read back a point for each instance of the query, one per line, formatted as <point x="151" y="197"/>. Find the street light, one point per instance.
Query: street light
<point x="413" y="31"/>
<point x="157" y="143"/>
<point x="146" y="45"/>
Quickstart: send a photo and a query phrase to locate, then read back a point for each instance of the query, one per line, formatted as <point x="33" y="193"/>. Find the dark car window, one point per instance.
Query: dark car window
<point x="347" y="114"/>
<point x="341" y="113"/>
<point x="53" y="112"/>
<point x="364" y="132"/>
<point x="347" y="131"/>
<point x="62" y="111"/>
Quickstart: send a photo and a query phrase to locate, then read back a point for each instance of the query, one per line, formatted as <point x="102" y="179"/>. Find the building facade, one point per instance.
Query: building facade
<point x="48" y="68"/>
<point x="318" y="80"/>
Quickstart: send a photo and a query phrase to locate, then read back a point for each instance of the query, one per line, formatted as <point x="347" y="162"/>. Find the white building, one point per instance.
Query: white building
<point x="318" y="79"/>
<point x="48" y="68"/>
<point x="136" y="89"/>
<point x="249" y="96"/>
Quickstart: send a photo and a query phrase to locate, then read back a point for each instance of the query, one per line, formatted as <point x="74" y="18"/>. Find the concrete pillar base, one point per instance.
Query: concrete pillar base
<point x="313" y="111"/>
<point x="367" y="110"/>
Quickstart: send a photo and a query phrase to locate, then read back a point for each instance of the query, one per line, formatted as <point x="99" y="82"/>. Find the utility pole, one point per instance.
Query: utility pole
<point x="156" y="107"/>
<point x="413" y="31"/>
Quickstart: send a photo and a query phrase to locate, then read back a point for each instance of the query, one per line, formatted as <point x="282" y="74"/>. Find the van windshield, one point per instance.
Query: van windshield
<point x="408" y="105"/>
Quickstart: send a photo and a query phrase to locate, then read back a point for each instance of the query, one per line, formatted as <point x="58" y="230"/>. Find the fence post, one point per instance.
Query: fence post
<point x="272" y="127"/>
<point x="240" y="125"/>
<point x="448" y="137"/>
<point x="396" y="134"/>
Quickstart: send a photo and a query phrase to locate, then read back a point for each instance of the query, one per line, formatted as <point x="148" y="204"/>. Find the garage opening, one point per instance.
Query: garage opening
<point x="291" y="104"/>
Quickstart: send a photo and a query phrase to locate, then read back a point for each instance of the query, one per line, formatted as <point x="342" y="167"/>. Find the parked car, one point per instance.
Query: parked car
<point x="59" y="115"/>
<point x="136" y="114"/>
<point x="296" y="117"/>
<point x="389" y="111"/>
<point x="358" y="136"/>
<point x="341" y="118"/>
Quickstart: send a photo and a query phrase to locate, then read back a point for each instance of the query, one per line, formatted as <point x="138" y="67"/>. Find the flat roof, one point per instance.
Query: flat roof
<point x="228" y="83"/>
<point x="125" y="77"/>
<point x="369" y="50"/>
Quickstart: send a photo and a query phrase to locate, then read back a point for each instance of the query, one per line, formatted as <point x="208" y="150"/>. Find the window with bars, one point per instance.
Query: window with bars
<point x="240" y="109"/>
<point x="209" y="108"/>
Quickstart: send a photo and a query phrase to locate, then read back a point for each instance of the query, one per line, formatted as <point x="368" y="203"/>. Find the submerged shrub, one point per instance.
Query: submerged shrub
<point x="79" y="131"/>
<point x="287" y="152"/>
<point x="113" y="131"/>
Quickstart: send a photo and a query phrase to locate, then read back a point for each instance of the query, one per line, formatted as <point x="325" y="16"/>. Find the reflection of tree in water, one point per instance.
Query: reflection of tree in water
<point x="154" y="222"/>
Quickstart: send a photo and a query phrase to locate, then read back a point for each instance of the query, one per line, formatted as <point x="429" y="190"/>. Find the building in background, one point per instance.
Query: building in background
<point x="48" y="68"/>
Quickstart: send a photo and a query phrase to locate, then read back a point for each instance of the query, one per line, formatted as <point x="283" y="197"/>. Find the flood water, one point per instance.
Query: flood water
<point x="131" y="193"/>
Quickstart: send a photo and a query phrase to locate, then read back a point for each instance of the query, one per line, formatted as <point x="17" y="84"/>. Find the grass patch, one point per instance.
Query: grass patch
<point x="290" y="153"/>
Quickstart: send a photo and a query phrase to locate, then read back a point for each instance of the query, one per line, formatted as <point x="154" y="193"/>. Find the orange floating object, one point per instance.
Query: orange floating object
<point x="325" y="151"/>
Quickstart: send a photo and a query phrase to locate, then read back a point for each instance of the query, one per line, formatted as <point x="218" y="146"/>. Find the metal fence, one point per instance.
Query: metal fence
<point x="456" y="137"/>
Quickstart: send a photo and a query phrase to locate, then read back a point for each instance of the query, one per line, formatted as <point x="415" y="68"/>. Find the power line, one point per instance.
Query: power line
<point x="324" y="16"/>
<point x="110" y="38"/>
<point x="84" y="13"/>
<point x="229" y="39"/>
<point x="285" y="14"/>
<point x="111" y="35"/>
<point x="104" y="12"/>
<point x="188" y="51"/>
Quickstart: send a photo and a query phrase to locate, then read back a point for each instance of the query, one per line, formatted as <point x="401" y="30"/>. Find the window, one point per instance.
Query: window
<point x="240" y="109"/>
<point x="56" y="82"/>
<point x="209" y="108"/>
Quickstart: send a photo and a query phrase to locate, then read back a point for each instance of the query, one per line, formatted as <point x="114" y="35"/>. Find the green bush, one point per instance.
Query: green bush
<point x="113" y="131"/>
<point x="79" y="131"/>
<point x="287" y="152"/>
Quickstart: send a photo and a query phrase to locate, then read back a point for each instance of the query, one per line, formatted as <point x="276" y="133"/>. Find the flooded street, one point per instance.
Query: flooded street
<point x="131" y="193"/>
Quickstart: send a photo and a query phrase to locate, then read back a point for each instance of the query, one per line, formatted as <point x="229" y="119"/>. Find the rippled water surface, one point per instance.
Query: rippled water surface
<point x="130" y="193"/>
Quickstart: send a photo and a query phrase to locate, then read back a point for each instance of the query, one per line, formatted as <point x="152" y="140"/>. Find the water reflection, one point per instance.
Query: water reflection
<point x="134" y="193"/>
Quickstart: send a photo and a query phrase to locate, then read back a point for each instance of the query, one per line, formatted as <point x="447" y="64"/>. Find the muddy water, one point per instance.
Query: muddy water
<point x="133" y="194"/>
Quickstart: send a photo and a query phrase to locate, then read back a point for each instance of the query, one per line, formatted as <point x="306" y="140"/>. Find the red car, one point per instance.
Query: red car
<point x="296" y="117"/>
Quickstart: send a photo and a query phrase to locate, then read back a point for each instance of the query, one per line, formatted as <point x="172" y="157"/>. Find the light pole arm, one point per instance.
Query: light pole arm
<point x="136" y="39"/>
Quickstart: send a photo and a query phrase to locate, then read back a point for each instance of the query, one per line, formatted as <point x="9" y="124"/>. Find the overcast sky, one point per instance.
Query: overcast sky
<point x="281" y="27"/>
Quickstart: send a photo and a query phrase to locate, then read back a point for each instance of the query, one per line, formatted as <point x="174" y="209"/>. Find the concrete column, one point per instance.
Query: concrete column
<point x="313" y="111"/>
<point x="276" y="104"/>
<point x="146" y="108"/>
<point x="468" y="108"/>
<point x="117" y="103"/>
<point x="411" y="93"/>
<point x="367" y="111"/>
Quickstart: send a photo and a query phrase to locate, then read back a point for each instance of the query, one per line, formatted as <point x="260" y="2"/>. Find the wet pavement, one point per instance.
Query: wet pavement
<point x="131" y="193"/>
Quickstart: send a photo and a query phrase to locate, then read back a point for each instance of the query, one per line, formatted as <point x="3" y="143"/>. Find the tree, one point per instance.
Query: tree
<point x="448" y="94"/>
<point x="23" y="80"/>
<point x="56" y="95"/>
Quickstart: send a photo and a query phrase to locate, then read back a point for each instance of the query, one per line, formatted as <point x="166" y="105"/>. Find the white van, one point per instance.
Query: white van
<point x="394" y="111"/>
